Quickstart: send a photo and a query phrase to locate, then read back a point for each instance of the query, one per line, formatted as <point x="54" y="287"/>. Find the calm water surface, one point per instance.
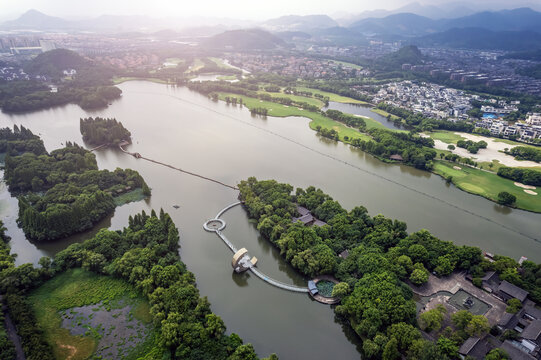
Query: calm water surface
<point x="364" y="111"/>
<point x="186" y="130"/>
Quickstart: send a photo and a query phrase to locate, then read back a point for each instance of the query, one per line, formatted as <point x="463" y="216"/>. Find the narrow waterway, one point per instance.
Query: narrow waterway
<point x="224" y="142"/>
<point x="363" y="110"/>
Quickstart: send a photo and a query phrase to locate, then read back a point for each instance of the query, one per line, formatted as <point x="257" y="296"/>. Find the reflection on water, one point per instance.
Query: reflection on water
<point x="240" y="279"/>
<point x="502" y="209"/>
<point x="186" y="130"/>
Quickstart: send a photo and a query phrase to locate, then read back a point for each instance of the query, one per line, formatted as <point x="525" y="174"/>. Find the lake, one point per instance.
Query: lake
<point x="187" y="130"/>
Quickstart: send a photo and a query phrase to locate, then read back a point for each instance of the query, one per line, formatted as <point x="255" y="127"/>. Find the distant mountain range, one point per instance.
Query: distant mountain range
<point x="483" y="39"/>
<point x="514" y="30"/>
<point x="407" y="25"/>
<point x="35" y="20"/>
<point x="403" y="24"/>
<point x="450" y="10"/>
<point x="299" y="23"/>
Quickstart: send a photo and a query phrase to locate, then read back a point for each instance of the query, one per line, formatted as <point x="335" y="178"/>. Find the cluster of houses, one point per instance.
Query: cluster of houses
<point x="298" y="66"/>
<point x="431" y="100"/>
<point x="10" y="73"/>
<point x="478" y="67"/>
<point x="525" y="132"/>
<point x="525" y="324"/>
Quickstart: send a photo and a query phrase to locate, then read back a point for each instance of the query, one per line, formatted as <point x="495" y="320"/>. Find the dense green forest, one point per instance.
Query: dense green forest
<point x="100" y="131"/>
<point x="7" y="349"/>
<point x="62" y="192"/>
<point x="382" y="256"/>
<point x="406" y="55"/>
<point x="415" y="150"/>
<point x="53" y="63"/>
<point x="20" y="140"/>
<point x="525" y="176"/>
<point x="421" y="123"/>
<point x="526" y="153"/>
<point x="349" y="120"/>
<point x="87" y="98"/>
<point x="146" y="255"/>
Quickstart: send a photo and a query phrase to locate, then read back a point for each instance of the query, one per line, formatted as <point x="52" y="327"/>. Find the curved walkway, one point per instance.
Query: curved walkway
<point x="232" y="247"/>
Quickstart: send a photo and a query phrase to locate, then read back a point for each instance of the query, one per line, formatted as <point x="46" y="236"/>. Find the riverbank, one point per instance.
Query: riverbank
<point x="486" y="184"/>
<point x="473" y="181"/>
<point x="120" y="80"/>
<point x="333" y="97"/>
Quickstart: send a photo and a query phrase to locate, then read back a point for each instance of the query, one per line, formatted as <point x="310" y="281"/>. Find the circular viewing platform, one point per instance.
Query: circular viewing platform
<point x="214" y="225"/>
<point x="323" y="292"/>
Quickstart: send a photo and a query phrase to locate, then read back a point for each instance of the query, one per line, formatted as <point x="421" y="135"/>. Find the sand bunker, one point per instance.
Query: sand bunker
<point x="530" y="187"/>
<point x="457" y="168"/>
<point x="530" y="192"/>
<point x="492" y="152"/>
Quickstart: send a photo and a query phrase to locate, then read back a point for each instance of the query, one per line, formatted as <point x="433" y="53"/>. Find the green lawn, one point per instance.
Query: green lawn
<point x="386" y="114"/>
<point x="354" y="66"/>
<point x="119" y="80"/>
<point x="227" y="77"/>
<point x="333" y="97"/>
<point x="175" y="61"/>
<point x="298" y="98"/>
<point x="74" y="288"/>
<point x="471" y="180"/>
<point x="131" y="196"/>
<point x="516" y="143"/>
<point x="279" y="110"/>
<point x="370" y="123"/>
<point x="448" y="137"/>
<point x="220" y="63"/>
<point x="487" y="184"/>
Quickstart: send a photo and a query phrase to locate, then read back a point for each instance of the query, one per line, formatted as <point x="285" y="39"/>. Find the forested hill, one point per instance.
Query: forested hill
<point x="406" y="55"/>
<point x="100" y="131"/>
<point x="53" y="63"/>
<point x="90" y="86"/>
<point x="63" y="192"/>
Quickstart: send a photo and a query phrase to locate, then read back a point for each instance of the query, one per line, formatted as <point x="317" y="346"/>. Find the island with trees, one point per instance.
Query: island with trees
<point x="63" y="192"/>
<point x="138" y="265"/>
<point x="101" y="131"/>
<point x="379" y="264"/>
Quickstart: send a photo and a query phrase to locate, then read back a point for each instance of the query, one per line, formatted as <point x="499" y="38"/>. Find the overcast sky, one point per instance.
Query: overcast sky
<point x="244" y="9"/>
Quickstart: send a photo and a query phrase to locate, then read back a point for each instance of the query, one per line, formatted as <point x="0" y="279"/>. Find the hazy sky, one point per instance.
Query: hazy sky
<point x="254" y="9"/>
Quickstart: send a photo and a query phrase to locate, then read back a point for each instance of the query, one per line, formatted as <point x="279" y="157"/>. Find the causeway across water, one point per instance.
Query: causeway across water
<point x="217" y="225"/>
